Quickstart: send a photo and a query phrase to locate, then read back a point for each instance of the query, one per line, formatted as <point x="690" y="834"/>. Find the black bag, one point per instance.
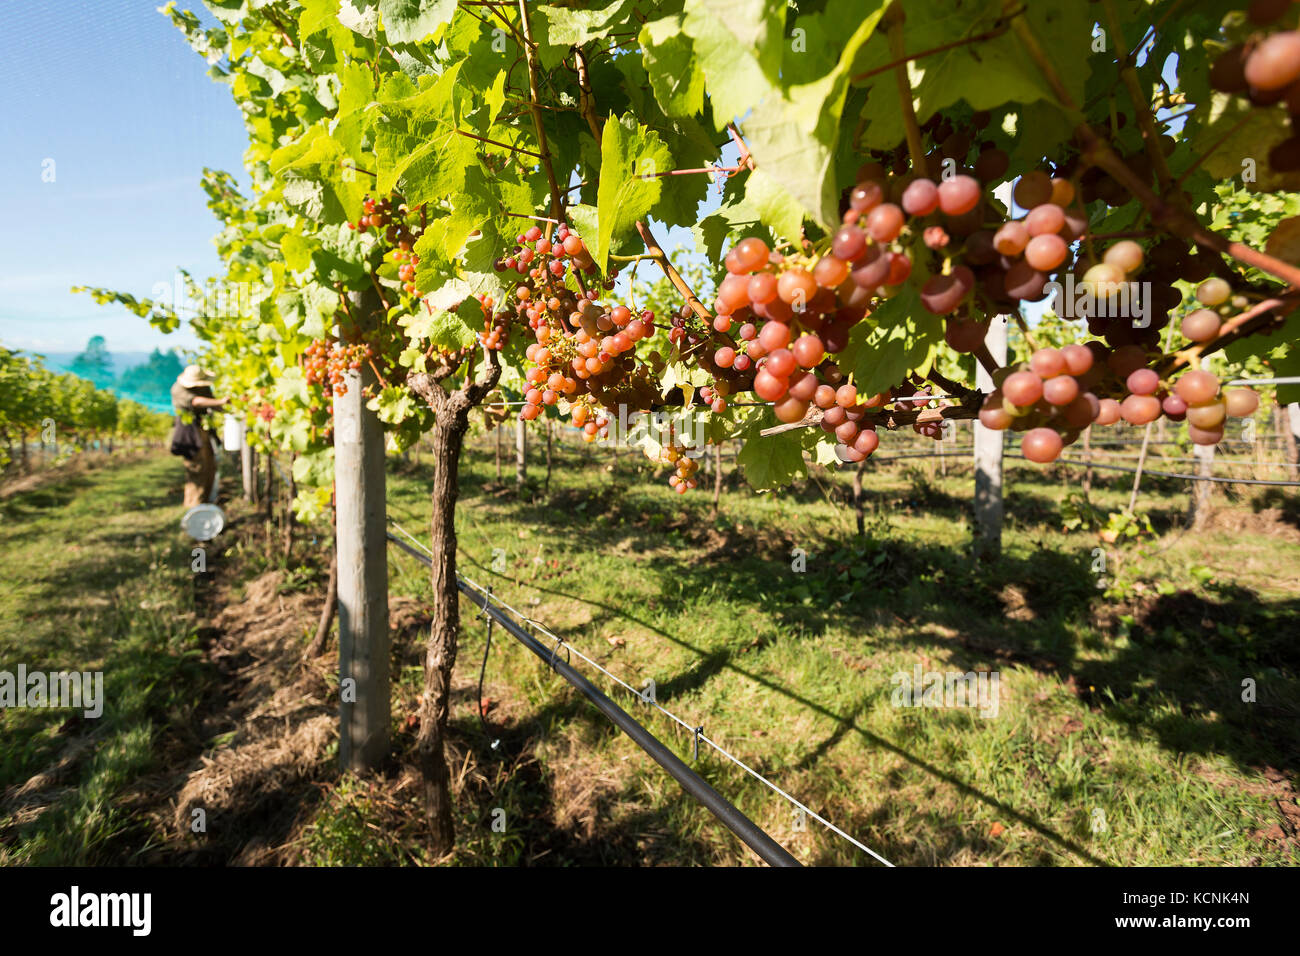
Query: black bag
<point x="186" y="438"/>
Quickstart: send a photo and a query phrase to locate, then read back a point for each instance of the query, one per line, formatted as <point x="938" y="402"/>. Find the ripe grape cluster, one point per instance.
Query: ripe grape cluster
<point x="496" y="327"/>
<point x="682" y="479"/>
<point x="325" y="361"/>
<point x="401" y="232"/>
<point x="1054" y="396"/>
<point x="583" y="349"/>
<point x="1266" y="69"/>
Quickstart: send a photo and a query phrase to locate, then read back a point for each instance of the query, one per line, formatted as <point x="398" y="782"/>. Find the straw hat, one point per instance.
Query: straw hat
<point x="193" y="377"/>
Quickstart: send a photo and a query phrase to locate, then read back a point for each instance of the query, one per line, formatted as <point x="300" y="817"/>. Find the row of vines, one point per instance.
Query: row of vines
<point x="448" y="197"/>
<point x="52" y="408"/>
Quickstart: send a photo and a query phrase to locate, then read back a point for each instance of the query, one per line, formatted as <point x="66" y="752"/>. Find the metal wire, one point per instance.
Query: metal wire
<point x="1168" y="474"/>
<point x="689" y="727"/>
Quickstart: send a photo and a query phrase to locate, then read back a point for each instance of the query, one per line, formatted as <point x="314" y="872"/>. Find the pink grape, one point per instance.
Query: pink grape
<point x="849" y="243"/>
<point x="1197" y="387"/>
<point x="920" y="198"/>
<point x="1107" y="412"/>
<point x="959" y="195"/>
<point x="1201" y="325"/>
<point x="1143" y="381"/>
<point x="1041" y="445"/>
<point x="885" y="222"/>
<point x="1047" y="362"/>
<point x="1022" y="388"/>
<point x="1078" y="359"/>
<point x="1061" y="390"/>
<point x="750" y="254"/>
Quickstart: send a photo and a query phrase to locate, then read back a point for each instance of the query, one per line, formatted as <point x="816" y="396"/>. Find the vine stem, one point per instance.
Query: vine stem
<point x="915" y="147"/>
<point x="996" y="31"/>
<point x="1254" y="319"/>
<point x="701" y="169"/>
<point x="1141" y="105"/>
<point x="586" y="98"/>
<point x="893" y="419"/>
<point x="530" y="54"/>
<point x="656" y="252"/>
<point x="513" y="149"/>
<point x="1100" y="154"/>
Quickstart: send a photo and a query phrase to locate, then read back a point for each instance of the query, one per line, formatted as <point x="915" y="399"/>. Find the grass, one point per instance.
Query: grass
<point x="1120" y="735"/>
<point x="97" y="578"/>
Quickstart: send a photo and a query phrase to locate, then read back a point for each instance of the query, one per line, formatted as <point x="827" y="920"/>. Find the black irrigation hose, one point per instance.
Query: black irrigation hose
<point x="1167" y="474"/>
<point x="749" y="832"/>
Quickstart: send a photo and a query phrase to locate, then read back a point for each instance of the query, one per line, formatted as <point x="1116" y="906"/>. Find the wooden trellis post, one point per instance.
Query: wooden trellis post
<point x="361" y="548"/>
<point x="988" y="456"/>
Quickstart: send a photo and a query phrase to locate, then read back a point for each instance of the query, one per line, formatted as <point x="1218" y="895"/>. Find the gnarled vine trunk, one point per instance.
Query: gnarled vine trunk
<point x="440" y="655"/>
<point x="451" y="411"/>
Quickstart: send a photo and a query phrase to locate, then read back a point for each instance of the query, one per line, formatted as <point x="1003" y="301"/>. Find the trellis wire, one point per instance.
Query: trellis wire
<point x="693" y="729"/>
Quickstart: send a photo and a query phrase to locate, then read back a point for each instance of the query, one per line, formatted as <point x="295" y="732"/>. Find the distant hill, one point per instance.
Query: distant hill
<point x="144" y="377"/>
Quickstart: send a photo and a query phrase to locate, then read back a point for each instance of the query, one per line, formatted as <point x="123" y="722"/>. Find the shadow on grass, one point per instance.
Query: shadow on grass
<point x="1174" y="671"/>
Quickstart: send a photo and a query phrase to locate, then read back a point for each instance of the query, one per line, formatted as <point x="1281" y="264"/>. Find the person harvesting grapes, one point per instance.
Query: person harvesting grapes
<point x="193" y="399"/>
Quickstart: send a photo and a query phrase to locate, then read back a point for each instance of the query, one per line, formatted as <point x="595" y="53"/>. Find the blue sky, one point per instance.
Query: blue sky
<point x="108" y="90"/>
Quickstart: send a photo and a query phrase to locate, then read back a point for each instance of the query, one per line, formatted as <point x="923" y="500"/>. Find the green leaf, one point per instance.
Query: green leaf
<point x="556" y="29"/>
<point x="776" y="207"/>
<point x="770" y="462"/>
<point x="628" y="151"/>
<point x="296" y="251"/>
<point x="409" y="21"/>
<point x="794" y="136"/>
<point x="393" y="405"/>
<point x="726" y="35"/>
<point x="898" y="338"/>
<point x="668" y="55"/>
<point x="1243" y="155"/>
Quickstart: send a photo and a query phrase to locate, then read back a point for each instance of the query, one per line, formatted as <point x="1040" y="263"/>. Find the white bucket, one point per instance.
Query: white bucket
<point x="233" y="434"/>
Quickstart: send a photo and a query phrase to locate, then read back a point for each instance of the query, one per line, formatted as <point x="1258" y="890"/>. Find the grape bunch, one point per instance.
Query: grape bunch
<point x="401" y="232"/>
<point x="582" y="348"/>
<point x="1267" y="71"/>
<point x="682" y="479"/>
<point x="1054" y="396"/>
<point x="496" y="326"/>
<point x="329" y="362"/>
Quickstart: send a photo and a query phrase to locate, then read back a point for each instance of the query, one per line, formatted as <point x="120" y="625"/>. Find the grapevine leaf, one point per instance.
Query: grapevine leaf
<point x="409" y="21"/>
<point x="898" y="338"/>
<point x="771" y="462"/>
<point x="628" y="151"/>
<point x="668" y="56"/>
<point x="794" y="136"/>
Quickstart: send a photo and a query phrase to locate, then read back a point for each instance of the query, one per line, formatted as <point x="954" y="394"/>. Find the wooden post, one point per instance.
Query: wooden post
<point x="548" y="456"/>
<point x="359" y="488"/>
<point x="717" y="477"/>
<point x="497" y="430"/>
<point x="857" y="497"/>
<point x="521" y="452"/>
<point x="1087" y="456"/>
<point x="1283" y="422"/>
<point x="988" y="456"/>
<point x="248" y="471"/>
<point x="1199" y="511"/>
<point x="1137" y="473"/>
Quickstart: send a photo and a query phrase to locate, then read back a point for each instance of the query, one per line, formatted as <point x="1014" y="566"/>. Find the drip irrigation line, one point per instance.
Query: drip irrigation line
<point x="1168" y="474"/>
<point x="735" y="821"/>
<point x="485" y="599"/>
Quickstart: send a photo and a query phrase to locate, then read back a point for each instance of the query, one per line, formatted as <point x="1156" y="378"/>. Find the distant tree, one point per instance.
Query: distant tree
<point x="151" y="380"/>
<point x="95" y="363"/>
